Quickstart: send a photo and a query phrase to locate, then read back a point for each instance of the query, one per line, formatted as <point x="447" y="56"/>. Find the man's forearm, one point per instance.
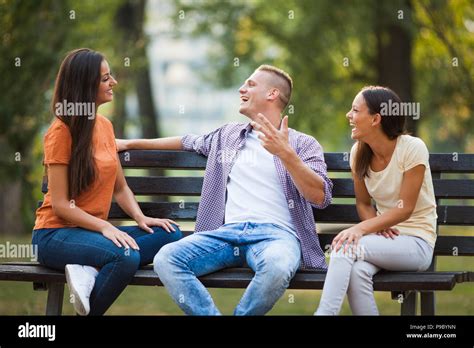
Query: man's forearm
<point x="308" y="183"/>
<point x="170" y="143"/>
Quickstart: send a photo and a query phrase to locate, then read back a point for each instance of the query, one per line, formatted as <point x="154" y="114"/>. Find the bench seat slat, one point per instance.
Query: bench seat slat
<point x="240" y="278"/>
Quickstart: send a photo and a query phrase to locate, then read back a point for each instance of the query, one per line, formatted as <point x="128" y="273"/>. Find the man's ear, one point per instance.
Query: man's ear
<point x="273" y="94"/>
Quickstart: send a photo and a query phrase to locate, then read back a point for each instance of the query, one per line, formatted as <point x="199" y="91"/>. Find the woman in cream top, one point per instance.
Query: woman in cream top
<point x="384" y="187"/>
<point x="399" y="233"/>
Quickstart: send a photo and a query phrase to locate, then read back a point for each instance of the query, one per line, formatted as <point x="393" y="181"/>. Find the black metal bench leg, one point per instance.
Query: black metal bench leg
<point x="54" y="305"/>
<point x="427" y="300"/>
<point x="409" y="303"/>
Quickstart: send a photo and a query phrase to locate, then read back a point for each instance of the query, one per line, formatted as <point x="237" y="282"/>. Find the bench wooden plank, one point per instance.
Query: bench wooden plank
<point x="347" y="213"/>
<point x="240" y="278"/>
<point x="343" y="188"/>
<point x="443" y="188"/>
<point x="335" y="213"/>
<point x="162" y="159"/>
<point x="454" y="246"/>
<point x="173" y="211"/>
<point x="448" y="163"/>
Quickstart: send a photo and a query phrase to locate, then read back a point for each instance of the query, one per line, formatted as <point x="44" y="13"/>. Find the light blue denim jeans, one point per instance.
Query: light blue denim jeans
<point x="271" y="251"/>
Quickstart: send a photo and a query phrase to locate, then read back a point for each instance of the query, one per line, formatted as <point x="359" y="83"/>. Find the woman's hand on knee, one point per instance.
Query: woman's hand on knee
<point x="120" y="238"/>
<point x="351" y="236"/>
<point x="389" y="233"/>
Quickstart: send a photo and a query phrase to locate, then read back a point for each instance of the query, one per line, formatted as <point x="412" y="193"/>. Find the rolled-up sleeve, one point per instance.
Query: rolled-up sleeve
<point x="312" y="154"/>
<point x="199" y="143"/>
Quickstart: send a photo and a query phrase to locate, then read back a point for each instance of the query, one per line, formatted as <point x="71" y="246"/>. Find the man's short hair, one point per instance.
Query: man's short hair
<point x="282" y="81"/>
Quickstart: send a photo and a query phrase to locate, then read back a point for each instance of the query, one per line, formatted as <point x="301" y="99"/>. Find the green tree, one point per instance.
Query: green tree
<point x="32" y="34"/>
<point x="36" y="35"/>
<point x="333" y="48"/>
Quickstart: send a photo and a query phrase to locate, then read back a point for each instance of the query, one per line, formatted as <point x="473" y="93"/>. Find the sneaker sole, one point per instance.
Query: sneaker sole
<point x="78" y="304"/>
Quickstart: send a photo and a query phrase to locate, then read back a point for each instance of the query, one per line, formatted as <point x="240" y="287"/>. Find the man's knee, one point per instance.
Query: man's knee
<point x="167" y="258"/>
<point x="278" y="266"/>
<point x="162" y="258"/>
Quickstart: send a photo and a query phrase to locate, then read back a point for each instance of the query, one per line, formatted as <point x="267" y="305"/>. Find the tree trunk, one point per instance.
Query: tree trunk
<point x="11" y="220"/>
<point x="394" y="50"/>
<point x="130" y="19"/>
<point x="120" y="117"/>
<point x="147" y="111"/>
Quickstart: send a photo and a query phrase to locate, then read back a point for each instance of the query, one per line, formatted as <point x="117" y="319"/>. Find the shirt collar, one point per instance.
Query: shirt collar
<point x="246" y="128"/>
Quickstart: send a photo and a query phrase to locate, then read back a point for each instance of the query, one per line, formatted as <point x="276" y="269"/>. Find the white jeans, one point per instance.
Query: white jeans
<point x="353" y="272"/>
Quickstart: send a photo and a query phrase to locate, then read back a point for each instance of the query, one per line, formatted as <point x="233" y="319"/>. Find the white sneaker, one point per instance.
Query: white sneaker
<point x="80" y="280"/>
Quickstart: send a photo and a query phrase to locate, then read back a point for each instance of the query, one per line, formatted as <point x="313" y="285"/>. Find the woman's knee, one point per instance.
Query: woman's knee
<point x="362" y="270"/>
<point x="128" y="259"/>
<point x="170" y="237"/>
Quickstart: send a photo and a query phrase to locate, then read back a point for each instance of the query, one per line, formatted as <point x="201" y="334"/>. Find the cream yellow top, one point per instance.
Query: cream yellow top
<point x="384" y="187"/>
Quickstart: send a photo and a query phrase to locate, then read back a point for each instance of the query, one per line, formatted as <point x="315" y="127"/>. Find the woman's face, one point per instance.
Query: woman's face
<point x="361" y="121"/>
<point x="107" y="82"/>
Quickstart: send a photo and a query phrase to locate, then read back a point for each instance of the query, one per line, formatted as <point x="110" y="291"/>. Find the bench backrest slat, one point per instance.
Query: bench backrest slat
<point x="343" y="188"/>
<point x="439" y="162"/>
<point x="449" y="215"/>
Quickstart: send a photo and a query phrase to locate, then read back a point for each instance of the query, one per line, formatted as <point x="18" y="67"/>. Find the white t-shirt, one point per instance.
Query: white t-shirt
<point x="254" y="192"/>
<point x="384" y="187"/>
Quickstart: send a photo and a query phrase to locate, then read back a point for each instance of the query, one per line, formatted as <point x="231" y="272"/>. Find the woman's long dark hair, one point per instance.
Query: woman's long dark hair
<point x="392" y="126"/>
<point x="78" y="81"/>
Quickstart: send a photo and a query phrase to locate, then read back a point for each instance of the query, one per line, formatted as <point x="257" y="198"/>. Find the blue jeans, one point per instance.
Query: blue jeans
<point x="58" y="247"/>
<point x="272" y="252"/>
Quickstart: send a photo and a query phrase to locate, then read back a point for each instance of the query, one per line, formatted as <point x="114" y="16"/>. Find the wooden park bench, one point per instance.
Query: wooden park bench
<point x="404" y="286"/>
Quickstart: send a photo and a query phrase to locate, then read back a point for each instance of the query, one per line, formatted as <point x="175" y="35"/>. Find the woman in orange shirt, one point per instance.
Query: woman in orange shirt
<point x="84" y="173"/>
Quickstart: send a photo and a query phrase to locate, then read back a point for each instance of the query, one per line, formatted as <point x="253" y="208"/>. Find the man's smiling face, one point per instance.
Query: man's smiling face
<point x="253" y="94"/>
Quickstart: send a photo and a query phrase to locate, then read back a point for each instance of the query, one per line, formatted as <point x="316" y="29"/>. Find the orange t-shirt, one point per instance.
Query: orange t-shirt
<point x="97" y="198"/>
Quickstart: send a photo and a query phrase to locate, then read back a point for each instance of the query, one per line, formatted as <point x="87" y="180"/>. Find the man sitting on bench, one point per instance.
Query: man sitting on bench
<point x="260" y="184"/>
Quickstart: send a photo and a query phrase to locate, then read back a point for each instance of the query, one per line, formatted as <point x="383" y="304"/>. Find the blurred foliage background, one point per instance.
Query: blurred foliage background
<point x="423" y="49"/>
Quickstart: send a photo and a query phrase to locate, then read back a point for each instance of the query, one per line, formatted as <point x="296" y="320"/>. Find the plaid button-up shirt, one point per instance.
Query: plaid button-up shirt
<point x="221" y="148"/>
